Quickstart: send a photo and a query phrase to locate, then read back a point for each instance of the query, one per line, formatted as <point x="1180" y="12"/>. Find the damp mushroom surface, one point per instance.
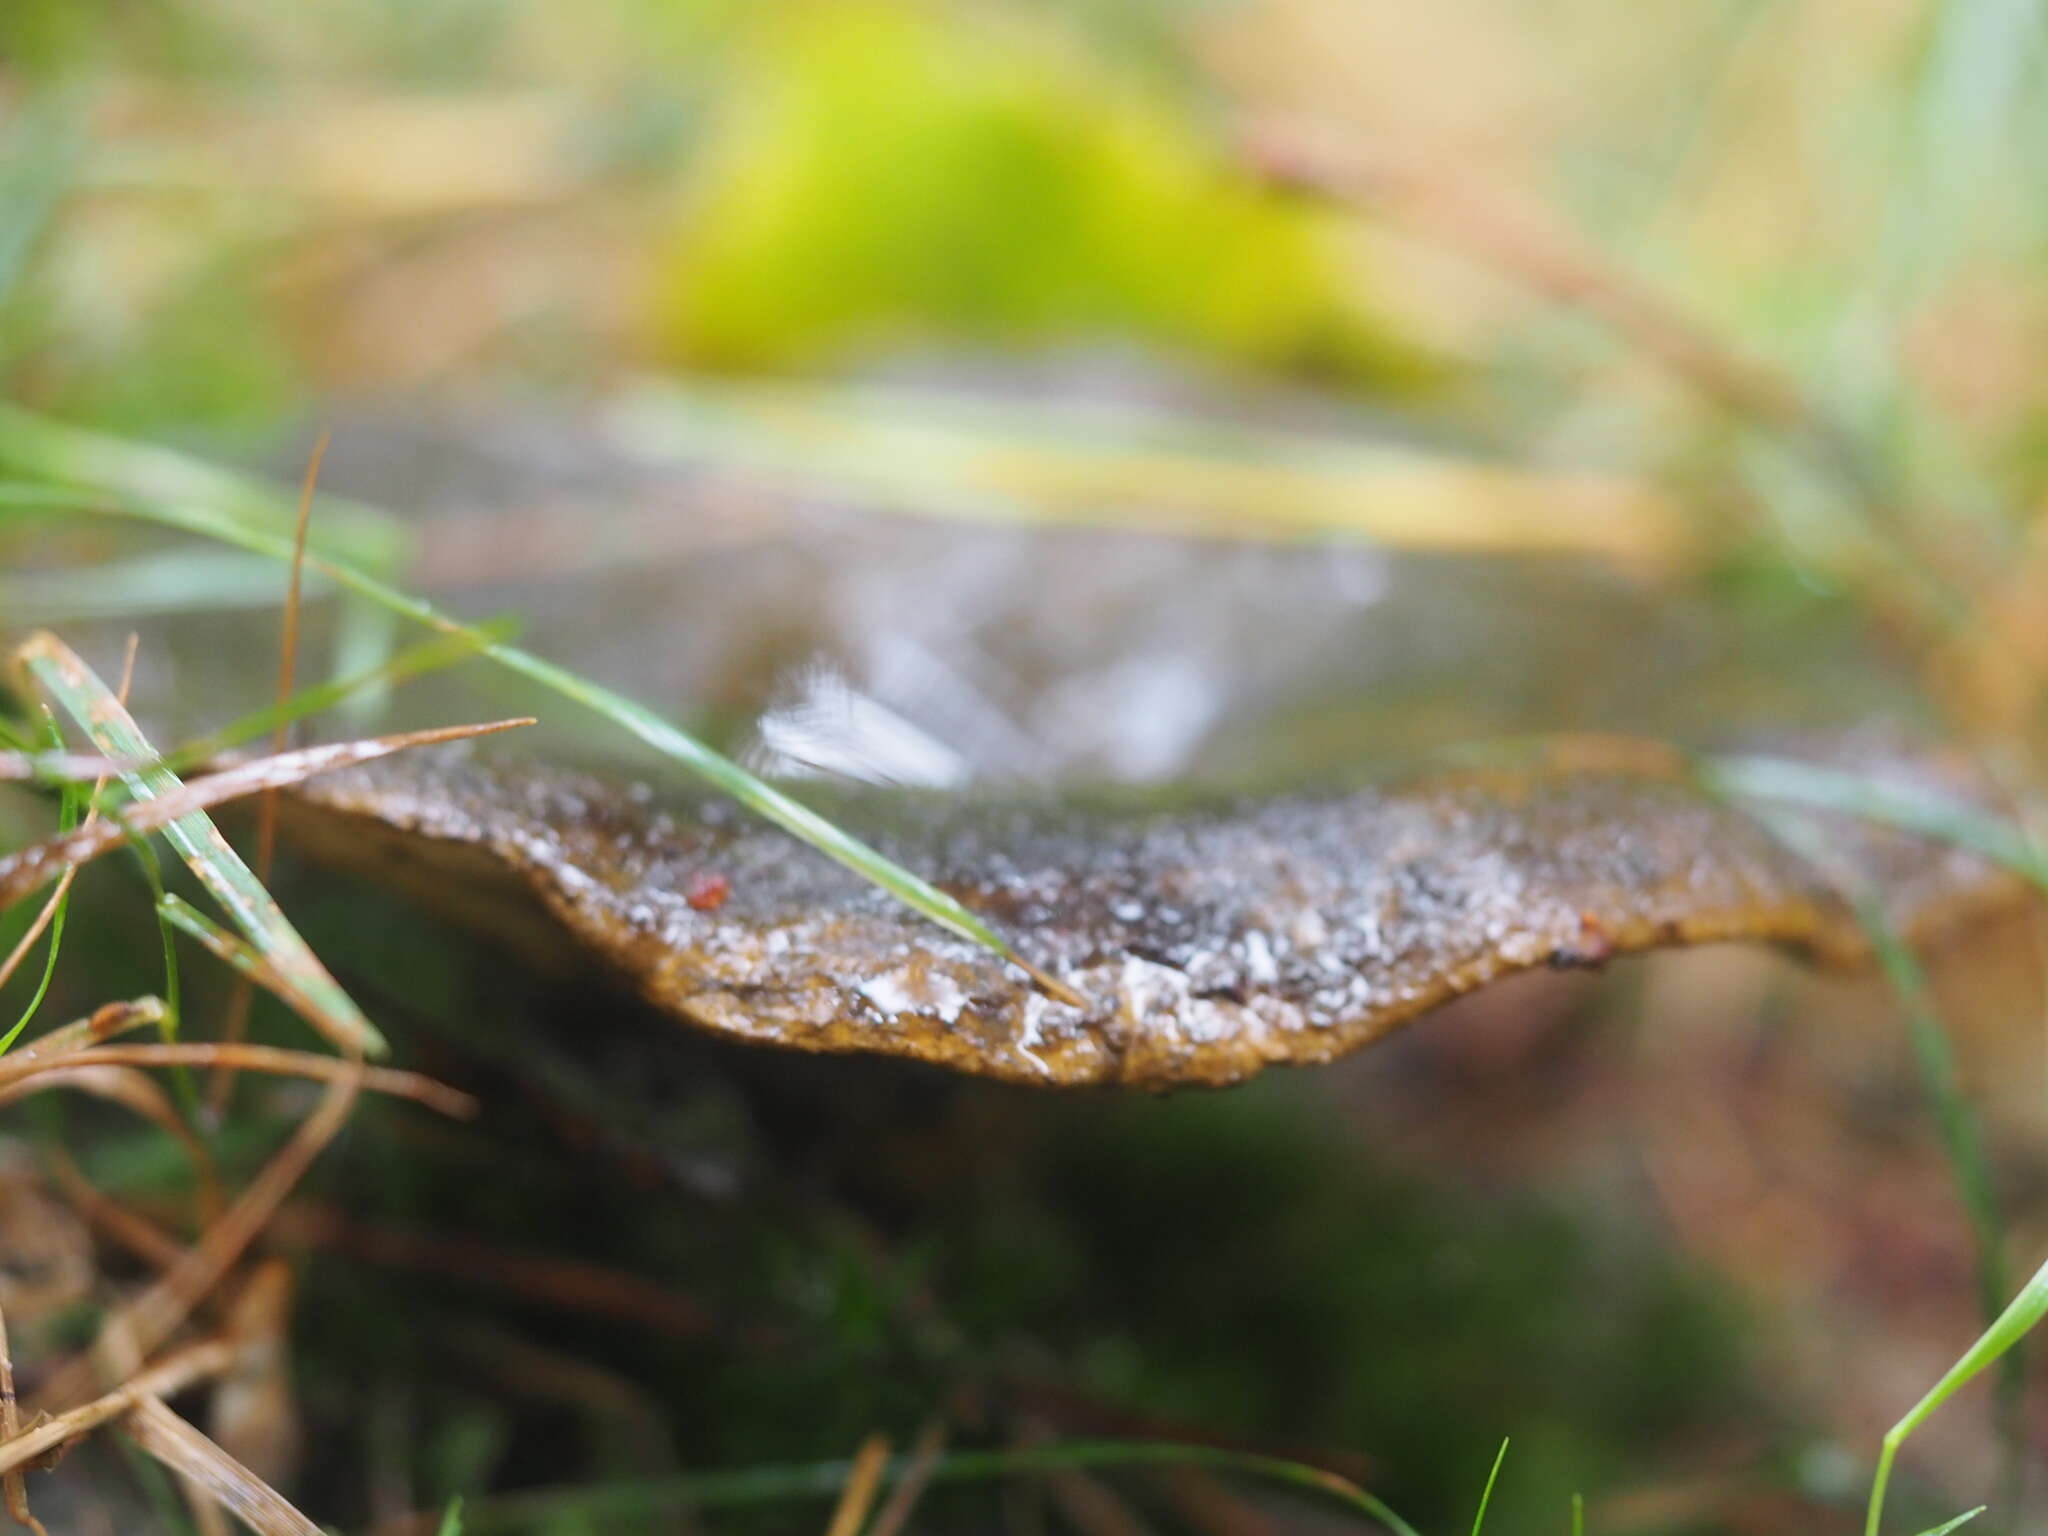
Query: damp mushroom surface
<point x="1205" y="942"/>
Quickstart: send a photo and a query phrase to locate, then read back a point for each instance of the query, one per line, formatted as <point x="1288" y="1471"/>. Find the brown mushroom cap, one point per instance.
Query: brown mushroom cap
<point x="1207" y="942"/>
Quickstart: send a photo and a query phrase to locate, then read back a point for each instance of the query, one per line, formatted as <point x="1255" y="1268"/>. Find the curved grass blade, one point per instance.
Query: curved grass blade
<point x="172" y="581"/>
<point x="2006" y="1331"/>
<point x="1962" y="1135"/>
<point x="825" y="1479"/>
<point x="1486" y="1495"/>
<point x="671" y="741"/>
<point x="72" y="457"/>
<point x="1926" y="813"/>
<point x="75" y="799"/>
<point x="429" y="655"/>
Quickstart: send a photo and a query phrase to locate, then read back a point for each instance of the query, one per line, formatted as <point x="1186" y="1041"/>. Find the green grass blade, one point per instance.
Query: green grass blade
<point x="35" y="1002"/>
<point x="1995" y="1343"/>
<point x="153" y="875"/>
<point x="39" y="449"/>
<point x="1934" y="1056"/>
<point x="235" y="951"/>
<point x="427" y="656"/>
<point x="1960" y="1132"/>
<point x="1486" y="1494"/>
<point x="1943" y="819"/>
<point x="73" y="811"/>
<point x="672" y="742"/>
<point x="1957" y="1523"/>
<point x="220" y="869"/>
<point x="451" y="1518"/>
<point x="1926" y="813"/>
<point x="824" y="1479"/>
<point x="170" y="581"/>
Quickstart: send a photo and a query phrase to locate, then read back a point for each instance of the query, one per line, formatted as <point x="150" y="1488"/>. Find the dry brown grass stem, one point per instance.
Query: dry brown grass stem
<point x="119" y="1082"/>
<point x="247" y="1058"/>
<point x="172" y="1375"/>
<point x="150" y="1318"/>
<point x="894" y="1515"/>
<point x="13" y="1485"/>
<point x="235" y="1022"/>
<point x="857" y="1496"/>
<point x="205" y="1465"/>
<point x="30" y="868"/>
<point x="102" y="1023"/>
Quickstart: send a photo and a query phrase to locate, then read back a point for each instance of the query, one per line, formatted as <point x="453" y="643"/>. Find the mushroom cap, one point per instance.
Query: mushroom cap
<point x="1206" y="941"/>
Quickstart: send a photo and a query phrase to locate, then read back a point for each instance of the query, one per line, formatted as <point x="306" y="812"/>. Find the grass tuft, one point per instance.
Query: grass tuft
<point x="74" y="685"/>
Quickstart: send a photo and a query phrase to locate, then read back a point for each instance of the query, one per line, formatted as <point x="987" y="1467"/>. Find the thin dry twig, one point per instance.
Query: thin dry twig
<point x="235" y="1023"/>
<point x="104" y="1022"/>
<point x="858" y="1494"/>
<point x="75" y="767"/>
<point x="149" y="1319"/>
<point x="542" y="1279"/>
<point x="186" y="1451"/>
<point x="925" y="1452"/>
<point x="169" y="1377"/>
<point x="120" y="1083"/>
<point x="26" y="870"/>
<point x="254" y="1414"/>
<point x="248" y="1058"/>
<point x="143" y="1238"/>
<point x="13" y="1485"/>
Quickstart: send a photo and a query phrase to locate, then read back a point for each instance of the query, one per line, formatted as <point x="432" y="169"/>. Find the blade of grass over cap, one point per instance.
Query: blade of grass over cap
<point x="68" y="680"/>
<point x="1927" y="813"/>
<point x="429" y="655"/>
<point x="38" y="449"/>
<point x="721" y="772"/>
